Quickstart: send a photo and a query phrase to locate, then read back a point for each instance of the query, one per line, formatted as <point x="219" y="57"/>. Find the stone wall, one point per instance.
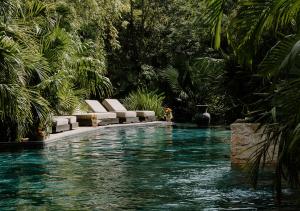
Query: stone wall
<point x="244" y="139"/>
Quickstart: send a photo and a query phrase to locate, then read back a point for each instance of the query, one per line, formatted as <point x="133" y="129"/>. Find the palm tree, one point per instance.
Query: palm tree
<point x="280" y="113"/>
<point x="41" y="66"/>
<point x="256" y="19"/>
<point x="279" y="109"/>
<point x="21" y="107"/>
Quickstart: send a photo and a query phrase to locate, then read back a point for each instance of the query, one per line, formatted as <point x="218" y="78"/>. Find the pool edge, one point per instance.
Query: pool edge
<point x="16" y="146"/>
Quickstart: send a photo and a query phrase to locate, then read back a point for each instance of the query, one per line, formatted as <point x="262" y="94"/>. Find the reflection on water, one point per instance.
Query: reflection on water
<point x="147" y="168"/>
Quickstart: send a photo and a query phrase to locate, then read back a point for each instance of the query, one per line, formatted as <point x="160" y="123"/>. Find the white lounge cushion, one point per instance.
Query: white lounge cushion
<point x="125" y="114"/>
<point x="95" y="106"/>
<point x="145" y="113"/>
<point x="106" y="115"/>
<point x="116" y="106"/>
<point x="58" y="121"/>
<point x="71" y="119"/>
<point x="113" y="105"/>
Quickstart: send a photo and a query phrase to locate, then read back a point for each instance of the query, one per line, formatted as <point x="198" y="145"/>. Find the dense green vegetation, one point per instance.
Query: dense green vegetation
<point x="264" y="37"/>
<point x="145" y="100"/>
<point x="239" y="57"/>
<point x="51" y="59"/>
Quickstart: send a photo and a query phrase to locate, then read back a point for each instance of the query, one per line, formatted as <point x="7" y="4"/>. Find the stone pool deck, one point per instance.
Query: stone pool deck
<point x="80" y="131"/>
<point x="86" y="130"/>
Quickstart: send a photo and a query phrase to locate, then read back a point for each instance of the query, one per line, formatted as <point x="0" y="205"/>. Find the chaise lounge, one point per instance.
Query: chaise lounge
<point x="72" y="120"/>
<point x="128" y="116"/>
<point x="60" y="124"/>
<point x="124" y="115"/>
<point x="146" y="116"/>
<point x="101" y="115"/>
<point x="63" y="123"/>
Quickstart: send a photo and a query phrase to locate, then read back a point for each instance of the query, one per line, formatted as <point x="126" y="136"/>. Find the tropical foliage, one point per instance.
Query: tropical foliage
<point x="264" y="38"/>
<point x="145" y="100"/>
<point x="239" y="57"/>
<point x="48" y="65"/>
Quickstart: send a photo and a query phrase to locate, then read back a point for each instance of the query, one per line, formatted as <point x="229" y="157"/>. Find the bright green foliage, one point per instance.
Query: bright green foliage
<point x="21" y="104"/>
<point x="215" y="17"/>
<point x="51" y="59"/>
<point x="143" y="99"/>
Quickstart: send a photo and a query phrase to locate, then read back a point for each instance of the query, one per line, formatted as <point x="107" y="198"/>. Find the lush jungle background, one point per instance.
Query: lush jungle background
<point x="241" y="57"/>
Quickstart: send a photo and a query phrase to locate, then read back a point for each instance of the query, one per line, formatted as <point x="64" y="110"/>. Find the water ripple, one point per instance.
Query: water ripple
<point x="140" y="168"/>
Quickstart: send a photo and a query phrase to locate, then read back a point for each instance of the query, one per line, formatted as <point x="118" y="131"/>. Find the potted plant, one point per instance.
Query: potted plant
<point x="94" y="120"/>
<point x="41" y="134"/>
<point x="168" y="114"/>
<point x="43" y="130"/>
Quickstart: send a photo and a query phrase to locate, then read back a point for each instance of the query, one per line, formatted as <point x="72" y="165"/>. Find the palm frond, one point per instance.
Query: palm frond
<point x="255" y="17"/>
<point x="214" y="17"/>
<point x="89" y="75"/>
<point x="171" y="76"/>
<point x="57" y="45"/>
<point x="11" y="63"/>
<point x="281" y="57"/>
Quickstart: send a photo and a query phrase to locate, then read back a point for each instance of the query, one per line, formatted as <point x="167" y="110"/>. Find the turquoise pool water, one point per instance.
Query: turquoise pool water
<point x="140" y="168"/>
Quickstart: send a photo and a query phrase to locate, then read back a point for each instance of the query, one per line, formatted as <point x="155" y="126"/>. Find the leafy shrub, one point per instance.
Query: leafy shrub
<point x="143" y="99"/>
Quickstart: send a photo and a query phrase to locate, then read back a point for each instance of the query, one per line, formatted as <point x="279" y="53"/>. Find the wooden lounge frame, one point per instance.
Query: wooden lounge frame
<point x="125" y="116"/>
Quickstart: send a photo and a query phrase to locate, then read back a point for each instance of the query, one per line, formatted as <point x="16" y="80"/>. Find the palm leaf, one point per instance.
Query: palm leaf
<point x="214" y="17"/>
<point x="282" y="58"/>
<point x="254" y="18"/>
<point x="171" y="76"/>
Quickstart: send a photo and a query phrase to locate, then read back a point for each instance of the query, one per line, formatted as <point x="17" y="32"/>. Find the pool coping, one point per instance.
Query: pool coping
<point x="86" y="130"/>
<point x="80" y="131"/>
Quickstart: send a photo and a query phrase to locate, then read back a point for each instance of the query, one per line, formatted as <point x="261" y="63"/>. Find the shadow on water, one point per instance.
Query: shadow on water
<point x="22" y="179"/>
<point x="140" y="168"/>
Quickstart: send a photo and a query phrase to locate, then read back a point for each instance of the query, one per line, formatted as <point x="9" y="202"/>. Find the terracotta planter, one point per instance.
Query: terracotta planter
<point x="41" y="135"/>
<point x="168" y="119"/>
<point x="94" y="122"/>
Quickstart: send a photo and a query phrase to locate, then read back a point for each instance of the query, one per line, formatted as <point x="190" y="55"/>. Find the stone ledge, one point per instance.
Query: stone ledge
<point x="244" y="140"/>
<point x="12" y="146"/>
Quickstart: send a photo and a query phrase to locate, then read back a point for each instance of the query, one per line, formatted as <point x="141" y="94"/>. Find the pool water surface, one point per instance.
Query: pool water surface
<point x="133" y="168"/>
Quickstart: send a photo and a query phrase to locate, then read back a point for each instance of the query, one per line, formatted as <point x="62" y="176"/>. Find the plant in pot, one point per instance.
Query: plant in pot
<point x="168" y="114"/>
<point x="94" y="120"/>
<point x="43" y="130"/>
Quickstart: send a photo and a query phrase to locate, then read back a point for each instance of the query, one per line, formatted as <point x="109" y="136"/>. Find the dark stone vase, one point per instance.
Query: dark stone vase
<point x="202" y="117"/>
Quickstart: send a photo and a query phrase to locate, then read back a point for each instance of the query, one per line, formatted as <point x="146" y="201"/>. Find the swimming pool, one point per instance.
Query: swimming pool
<point x="132" y="168"/>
